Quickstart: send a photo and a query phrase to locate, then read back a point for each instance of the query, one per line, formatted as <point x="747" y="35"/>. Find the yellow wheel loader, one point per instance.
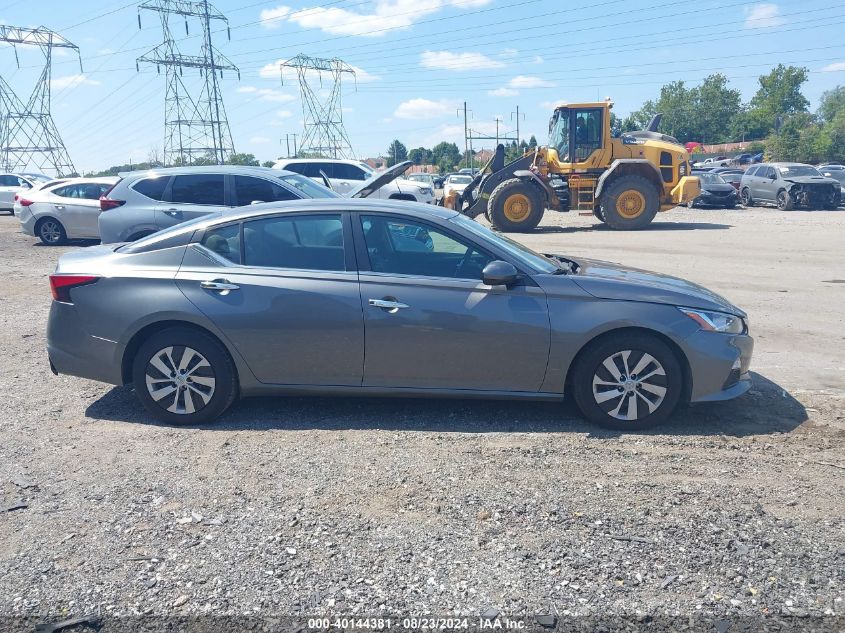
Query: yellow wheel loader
<point x="622" y="181"/>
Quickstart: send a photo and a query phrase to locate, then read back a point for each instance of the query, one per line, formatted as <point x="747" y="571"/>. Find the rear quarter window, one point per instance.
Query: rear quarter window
<point x="152" y="188"/>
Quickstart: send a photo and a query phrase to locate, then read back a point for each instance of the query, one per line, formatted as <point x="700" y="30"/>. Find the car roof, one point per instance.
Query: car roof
<point x="205" y="169"/>
<point x="786" y="164"/>
<point x="346" y="161"/>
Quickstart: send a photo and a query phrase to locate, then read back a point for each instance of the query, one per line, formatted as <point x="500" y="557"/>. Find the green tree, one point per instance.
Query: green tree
<point x="421" y="156"/>
<point x="396" y="153"/>
<point x="268" y="163"/>
<point x="243" y="159"/>
<point x="715" y="106"/>
<point x="532" y="142"/>
<point x="639" y="119"/>
<point x="832" y="104"/>
<point x="446" y="156"/>
<point x="778" y="97"/>
<point x="801" y="138"/>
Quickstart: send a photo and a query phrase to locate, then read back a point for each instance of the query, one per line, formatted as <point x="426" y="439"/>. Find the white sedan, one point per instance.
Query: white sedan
<point x="12" y="184"/>
<point x="64" y="210"/>
<point x="456" y="183"/>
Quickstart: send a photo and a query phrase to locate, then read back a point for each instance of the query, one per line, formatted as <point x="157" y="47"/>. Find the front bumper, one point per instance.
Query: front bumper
<point x="719" y="365"/>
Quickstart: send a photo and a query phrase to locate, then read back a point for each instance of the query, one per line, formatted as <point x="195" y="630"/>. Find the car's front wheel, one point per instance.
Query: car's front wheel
<point x="745" y="197"/>
<point x="184" y="376"/>
<point x="627" y="381"/>
<point x="784" y="201"/>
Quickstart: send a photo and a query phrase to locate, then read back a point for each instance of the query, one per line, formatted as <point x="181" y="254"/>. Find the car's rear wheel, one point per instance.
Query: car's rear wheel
<point x="627" y="381"/>
<point x="51" y="232"/>
<point x="183" y="376"/>
<point x="745" y="197"/>
<point x="784" y="201"/>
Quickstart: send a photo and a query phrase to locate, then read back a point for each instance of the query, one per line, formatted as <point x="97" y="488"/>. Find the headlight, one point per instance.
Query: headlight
<point x="426" y="191"/>
<point x="682" y="170"/>
<point x="716" y="321"/>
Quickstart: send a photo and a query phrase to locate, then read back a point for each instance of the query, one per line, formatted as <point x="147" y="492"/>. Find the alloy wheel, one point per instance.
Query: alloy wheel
<point x="180" y="380"/>
<point x="50" y="231"/>
<point x="629" y="385"/>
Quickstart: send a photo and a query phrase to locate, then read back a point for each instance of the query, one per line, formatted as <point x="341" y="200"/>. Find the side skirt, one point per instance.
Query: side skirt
<point x="395" y="392"/>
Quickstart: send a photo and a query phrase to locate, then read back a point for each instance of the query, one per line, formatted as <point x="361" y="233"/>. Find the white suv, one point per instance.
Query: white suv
<point x="346" y="175"/>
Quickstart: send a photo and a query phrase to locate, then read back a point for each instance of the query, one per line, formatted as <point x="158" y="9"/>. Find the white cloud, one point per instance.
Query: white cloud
<point x="538" y="60"/>
<point x="762" y="16"/>
<point x="386" y="14"/>
<point x="445" y="60"/>
<point x="267" y="94"/>
<point x="284" y="114"/>
<point x="503" y="92"/>
<point x="529" y="81"/>
<point x="247" y="89"/>
<point x="273" y="18"/>
<point x="71" y="81"/>
<point x="424" y="109"/>
<point x="259" y="140"/>
<point x="509" y="52"/>
<point x="363" y="77"/>
<point x="834" y="67"/>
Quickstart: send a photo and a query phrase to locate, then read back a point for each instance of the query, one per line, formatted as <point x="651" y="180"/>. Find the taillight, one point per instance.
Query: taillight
<point x="16" y="197"/>
<point x="24" y="202"/>
<point x="107" y="203"/>
<point x="61" y="285"/>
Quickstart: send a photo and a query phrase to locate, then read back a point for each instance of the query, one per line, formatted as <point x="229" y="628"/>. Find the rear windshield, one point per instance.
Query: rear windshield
<point x="175" y="235"/>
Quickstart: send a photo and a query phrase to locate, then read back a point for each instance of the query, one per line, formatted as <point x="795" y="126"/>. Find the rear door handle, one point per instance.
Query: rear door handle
<point x="222" y="286"/>
<point x="389" y="304"/>
<point x="59" y="206"/>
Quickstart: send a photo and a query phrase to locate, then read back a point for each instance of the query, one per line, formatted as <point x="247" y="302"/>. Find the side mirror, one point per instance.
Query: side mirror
<point x="499" y="273"/>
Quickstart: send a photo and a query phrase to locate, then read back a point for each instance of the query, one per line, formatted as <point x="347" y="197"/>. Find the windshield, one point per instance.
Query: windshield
<point x="794" y="171"/>
<point x="533" y="261"/>
<point x="308" y="187"/>
<point x="460" y="180"/>
<point x="559" y="134"/>
<point x="837" y="174"/>
<point x="710" y="179"/>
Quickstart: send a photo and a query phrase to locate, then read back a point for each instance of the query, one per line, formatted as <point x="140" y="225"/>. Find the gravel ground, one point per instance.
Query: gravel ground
<point x="415" y="507"/>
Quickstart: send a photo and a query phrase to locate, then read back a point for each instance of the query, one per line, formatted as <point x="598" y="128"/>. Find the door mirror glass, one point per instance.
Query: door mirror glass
<point x="499" y="273"/>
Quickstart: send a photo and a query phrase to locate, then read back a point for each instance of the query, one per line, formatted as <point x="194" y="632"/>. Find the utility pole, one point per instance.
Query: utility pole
<point x="467" y="134"/>
<point x="195" y="119"/>
<point x="518" y="137"/>
<point x="28" y="134"/>
<point x="498" y="120"/>
<point x="324" y="133"/>
<point x="287" y="141"/>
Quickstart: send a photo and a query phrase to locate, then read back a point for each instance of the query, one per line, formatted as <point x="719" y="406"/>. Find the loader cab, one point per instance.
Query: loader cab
<point x="579" y="134"/>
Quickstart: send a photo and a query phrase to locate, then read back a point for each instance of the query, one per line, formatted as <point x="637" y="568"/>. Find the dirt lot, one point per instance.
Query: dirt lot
<point x="309" y="506"/>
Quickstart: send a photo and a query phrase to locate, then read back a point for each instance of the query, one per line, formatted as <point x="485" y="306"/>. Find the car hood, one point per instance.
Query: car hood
<point x="811" y="180"/>
<point x="606" y="280"/>
<point x="718" y="188"/>
<point x="369" y="187"/>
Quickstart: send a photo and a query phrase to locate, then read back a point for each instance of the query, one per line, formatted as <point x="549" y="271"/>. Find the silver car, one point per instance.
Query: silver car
<point x="142" y="203"/>
<point x="63" y="209"/>
<point x="360" y="297"/>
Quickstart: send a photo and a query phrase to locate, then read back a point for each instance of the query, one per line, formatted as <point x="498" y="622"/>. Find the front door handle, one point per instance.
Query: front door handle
<point x="60" y="207"/>
<point x="221" y="286"/>
<point x="173" y="213"/>
<point x="388" y="304"/>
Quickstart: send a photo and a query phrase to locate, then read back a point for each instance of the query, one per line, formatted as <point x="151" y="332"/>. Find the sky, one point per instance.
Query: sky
<point x="417" y="62"/>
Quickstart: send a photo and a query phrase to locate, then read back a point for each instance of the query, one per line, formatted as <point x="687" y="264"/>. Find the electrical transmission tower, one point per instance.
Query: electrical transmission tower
<point x="323" y="134"/>
<point x="28" y="134"/>
<point x="195" y="124"/>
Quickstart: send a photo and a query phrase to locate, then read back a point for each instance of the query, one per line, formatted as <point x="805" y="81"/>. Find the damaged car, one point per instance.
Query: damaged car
<point x="789" y="186"/>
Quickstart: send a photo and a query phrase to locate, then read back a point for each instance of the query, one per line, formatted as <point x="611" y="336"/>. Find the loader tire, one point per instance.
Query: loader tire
<point x="515" y="206"/>
<point x="629" y="203"/>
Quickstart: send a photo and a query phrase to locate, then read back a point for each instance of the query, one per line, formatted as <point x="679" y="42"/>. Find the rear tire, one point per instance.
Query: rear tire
<point x="784" y="201"/>
<point x="51" y="232"/>
<point x="184" y="376"/>
<point x="629" y="203"/>
<point x="515" y="206"/>
<point x="625" y="366"/>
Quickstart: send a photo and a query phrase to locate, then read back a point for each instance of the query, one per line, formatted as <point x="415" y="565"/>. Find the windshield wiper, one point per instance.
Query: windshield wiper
<point x="564" y="266"/>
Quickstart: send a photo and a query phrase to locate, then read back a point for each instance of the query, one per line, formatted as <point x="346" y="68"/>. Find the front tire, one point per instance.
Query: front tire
<point x="184" y="376"/>
<point x="515" y="206"/>
<point x="784" y="201"/>
<point x="627" y="381"/>
<point x="51" y="232"/>
<point x="745" y="197"/>
<point x="629" y="203"/>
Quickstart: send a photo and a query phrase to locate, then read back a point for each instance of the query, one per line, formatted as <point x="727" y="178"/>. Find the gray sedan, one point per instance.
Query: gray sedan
<point x="360" y="297"/>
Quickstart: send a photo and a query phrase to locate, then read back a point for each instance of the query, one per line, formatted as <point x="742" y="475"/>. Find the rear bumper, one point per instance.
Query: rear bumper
<point x="73" y="351"/>
<point x="719" y="365"/>
<point x="27" y="221"/>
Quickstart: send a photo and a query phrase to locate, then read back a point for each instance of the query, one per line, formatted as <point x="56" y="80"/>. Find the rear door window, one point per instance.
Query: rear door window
<point x="342" y="171"/>
<point x="306" y="242"/>
<point x="249" y="190"/>
<point x="205" y="189"/>
<point x="224" y="241"/>
<point x="152" y="188"/>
